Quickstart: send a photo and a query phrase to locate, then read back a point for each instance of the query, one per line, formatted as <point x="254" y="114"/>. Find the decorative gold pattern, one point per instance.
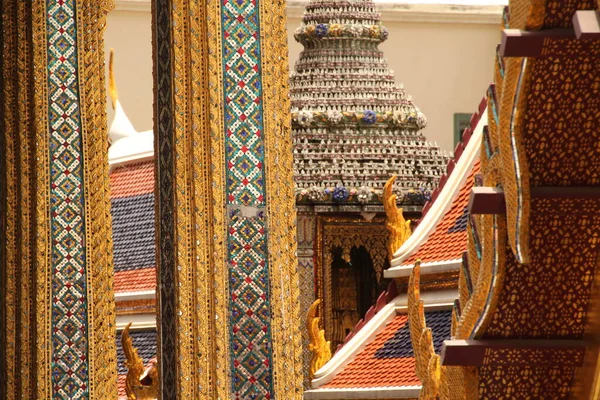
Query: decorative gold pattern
<point x="134" y="386"/>
<point x="515" y="170"/>
<point x="185" y="164"/>
<point x="566" y="266"/>
<point x="532" y="270"/>
<point x="320" y="348"/>
<point x="525" y="382"/>
<point x="397" y="226"/>
<point x="284" y="297"/>
<point x="559" y="13"/>
<point x="101" y="318"/>
<point x="427" y="363"/>
<point x="24" y="260"/>
<point x="213" y="68"/>
<point x="306" y="276"/>
<point x="189" y="46"/>
<point x="554" y="159"/>
<point x="43" y="259"/>
<point x="9" y="117"/>
<point x="534" y="357"/>
<point x="26" y="241"/>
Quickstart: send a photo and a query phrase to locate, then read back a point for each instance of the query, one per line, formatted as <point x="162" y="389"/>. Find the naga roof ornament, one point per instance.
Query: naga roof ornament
<point x="353" y="126"/>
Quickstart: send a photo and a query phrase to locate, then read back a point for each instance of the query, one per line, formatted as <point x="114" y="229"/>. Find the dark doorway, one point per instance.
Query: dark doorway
<point x="354" y="290"/>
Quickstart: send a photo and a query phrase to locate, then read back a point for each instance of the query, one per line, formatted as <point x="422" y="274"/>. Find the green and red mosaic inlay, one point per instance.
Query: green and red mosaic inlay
<point x="70" y="378"/>
<point x="250" y="319"/>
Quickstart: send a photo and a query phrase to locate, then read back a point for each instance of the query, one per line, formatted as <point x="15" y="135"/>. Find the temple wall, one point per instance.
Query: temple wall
<point x="440" y="79"/>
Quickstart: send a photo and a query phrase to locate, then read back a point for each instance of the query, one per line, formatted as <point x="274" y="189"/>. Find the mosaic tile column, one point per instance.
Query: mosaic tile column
<point x="228" y="286"/>
<point x="307" y="221"/>
<point x="58" y="321"/>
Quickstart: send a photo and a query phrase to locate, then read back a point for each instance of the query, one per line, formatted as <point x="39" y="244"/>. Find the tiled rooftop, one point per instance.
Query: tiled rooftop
<point x="389" y="358"/>
<point x="132" y="180"/>
<point x="132" y="200"/>
<point x="449" y="240"/>
<point x="133" y="232"/>
<point x="136" y="280"/>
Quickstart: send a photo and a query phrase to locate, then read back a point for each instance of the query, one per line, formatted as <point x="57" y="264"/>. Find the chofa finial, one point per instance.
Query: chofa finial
<point x="398" y="227"/>
<point x="121" y="126"/>
<point x="141" y="383"/>
<point x="320" y="348"/>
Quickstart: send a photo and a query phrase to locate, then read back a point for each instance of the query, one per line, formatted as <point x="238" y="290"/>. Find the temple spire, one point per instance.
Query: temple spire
<point x="353" y="126"/>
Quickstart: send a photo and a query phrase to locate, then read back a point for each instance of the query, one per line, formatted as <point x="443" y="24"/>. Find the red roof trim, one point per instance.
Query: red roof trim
<point x="135" y="280"/>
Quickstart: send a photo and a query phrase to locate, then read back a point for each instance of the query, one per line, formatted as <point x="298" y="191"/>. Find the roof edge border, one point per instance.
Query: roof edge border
<point x="450" y="187"/>
<point x="130" y="296"/>
<point x="343" y="356"/>
<point x="428" y="268"/>
<point x="397" y="392"/>
<point x="129" y="159"/>
<point x="138" y="321"/>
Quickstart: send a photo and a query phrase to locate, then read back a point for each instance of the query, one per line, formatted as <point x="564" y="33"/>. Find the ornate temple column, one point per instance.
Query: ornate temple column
<point x="306" y="274"/>
<point x="57" y="303"/>
<point x="228" y="284"/>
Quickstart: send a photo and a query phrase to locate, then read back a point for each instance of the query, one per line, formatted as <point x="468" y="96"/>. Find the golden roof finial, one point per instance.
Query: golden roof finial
<point x="397" y="226"/>
<point x="112" y="86"/>
<point x="141" y="383"/>
<point x="320" y="348"/>
<point x="427" y="363"/>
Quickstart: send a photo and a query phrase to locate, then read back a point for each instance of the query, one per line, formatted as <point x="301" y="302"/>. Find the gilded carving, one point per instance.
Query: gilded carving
<point x="345" y="234"/>
<point x="515" y="169"/>
<point x="97" y="205"/>
<point x="320" y="348"/>
<point x="397" y="226"/>
<point x="531" y="269"/>
<point x="56" y="222"/>
<point x="141" y="383"/>
<point x="427" y="363"/>
<point x="202" y="149"/>
<point x="9" y="118"/>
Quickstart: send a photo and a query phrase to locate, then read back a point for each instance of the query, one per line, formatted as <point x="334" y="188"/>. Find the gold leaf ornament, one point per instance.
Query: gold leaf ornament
<point x="427" y="363"/>
<point x="320" y="348"/>
<point x="397" y="226"/>
<point x="141" y="383"/>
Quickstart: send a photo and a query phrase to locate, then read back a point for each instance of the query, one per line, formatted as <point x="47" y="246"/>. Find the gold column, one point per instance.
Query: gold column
<point x="58" y="322"/>
<point x="228" y="285"/>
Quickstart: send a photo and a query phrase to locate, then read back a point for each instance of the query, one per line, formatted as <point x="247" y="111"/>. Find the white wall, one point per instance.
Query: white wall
<point x="445" y="66"/>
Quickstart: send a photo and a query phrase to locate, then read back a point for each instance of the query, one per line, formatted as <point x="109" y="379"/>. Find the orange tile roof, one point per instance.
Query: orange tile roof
<point x="136" y="280"/>
<point x="132" y="180"/>
<point x="389" y="359"/>
<point x="449" y="240"/>
<point x="382" y="371"/>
